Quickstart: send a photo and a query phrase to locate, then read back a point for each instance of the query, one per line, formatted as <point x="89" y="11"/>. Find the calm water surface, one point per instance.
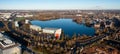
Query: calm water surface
<point x="69" y="27"/>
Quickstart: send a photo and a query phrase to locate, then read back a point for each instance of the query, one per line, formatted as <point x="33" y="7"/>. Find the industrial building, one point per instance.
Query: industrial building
<point x="55" y="31"/>
<point x="35" y="27"/>
<point x="7" y="46"/>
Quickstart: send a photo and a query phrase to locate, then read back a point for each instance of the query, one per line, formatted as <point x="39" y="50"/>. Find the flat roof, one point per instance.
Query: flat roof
<point x="6" y="42"/>
<point x="35" y="26"/>
<point x="51" y="28"/>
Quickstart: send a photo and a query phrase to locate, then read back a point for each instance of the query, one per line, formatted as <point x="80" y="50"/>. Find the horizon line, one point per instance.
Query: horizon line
<point x="59" y="9"/>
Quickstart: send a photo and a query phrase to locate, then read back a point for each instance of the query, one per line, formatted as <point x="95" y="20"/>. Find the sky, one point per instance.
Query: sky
<point x="59" y="4"/>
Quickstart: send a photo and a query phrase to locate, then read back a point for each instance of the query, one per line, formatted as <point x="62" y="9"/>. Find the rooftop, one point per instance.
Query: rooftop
<point x="6" y="43"/>
<point x="51" y="28"/>
<point x="35" y="26"/>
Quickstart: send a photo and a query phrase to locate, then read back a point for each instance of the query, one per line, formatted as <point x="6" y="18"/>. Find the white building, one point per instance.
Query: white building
<point x="7" y="46"/>
<point x="49" y="30"/>
<point x="58" y="33"/>
<point x="24" y="15"/>
<point x="26" y="21"/>
<point x="55" y="31"/>
<point x="35" y="27"/>
<point x="97" y="25"/>
<point x="78" y="15"/>
<point x="16" y="24"/>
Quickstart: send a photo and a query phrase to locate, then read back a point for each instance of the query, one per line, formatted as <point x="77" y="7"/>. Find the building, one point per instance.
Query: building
<point x="24" y="15"/>
<point x="7" y="46"/>
<point x="5" y="15"/>
<point x="55" y="31"/>
<point x="28" y="15"/>
<point x="16" y="24"/>
<point x="26" y="21"/>
<point x="35" y="27"/>
<point x="97" y="25"/>
<point x="49" y="30"/>
<point x="19" y="15"/>
<point x="79" y="15"/>
<point x="58" y="33"/>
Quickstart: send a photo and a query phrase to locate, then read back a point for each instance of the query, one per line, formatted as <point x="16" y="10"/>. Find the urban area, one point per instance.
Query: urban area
<point x="18" y="35"/>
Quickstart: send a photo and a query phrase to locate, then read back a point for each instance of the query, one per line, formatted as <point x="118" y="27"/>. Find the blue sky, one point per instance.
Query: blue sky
<point x="59" y="4"/>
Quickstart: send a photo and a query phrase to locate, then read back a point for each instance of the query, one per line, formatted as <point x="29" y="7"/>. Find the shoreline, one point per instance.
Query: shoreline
<point x="63" y="27"/>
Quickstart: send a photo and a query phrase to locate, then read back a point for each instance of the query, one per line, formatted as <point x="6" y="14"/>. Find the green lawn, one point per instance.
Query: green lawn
<point x="19" y="18"/>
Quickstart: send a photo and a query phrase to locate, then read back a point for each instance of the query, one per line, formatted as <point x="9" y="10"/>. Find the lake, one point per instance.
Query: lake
<point x="68" y="26"/>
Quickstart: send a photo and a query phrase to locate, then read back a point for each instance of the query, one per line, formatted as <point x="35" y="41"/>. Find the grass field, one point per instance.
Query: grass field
<point x="19" y="18"/>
